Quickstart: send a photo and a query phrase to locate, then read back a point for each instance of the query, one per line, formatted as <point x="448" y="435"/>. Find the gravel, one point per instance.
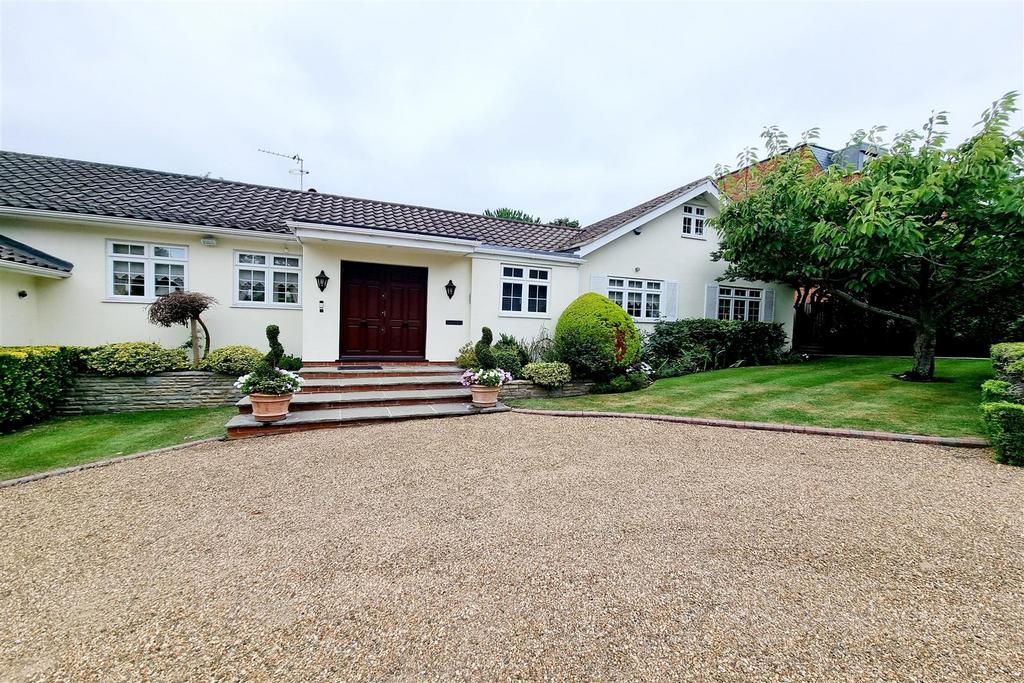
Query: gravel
<point x="519" y="547"/>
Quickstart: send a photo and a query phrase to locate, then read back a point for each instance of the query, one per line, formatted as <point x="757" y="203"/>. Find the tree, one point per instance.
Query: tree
<point x="184" y="308"/>
<point x="567" y="222"/>
<point x="940" y="227"/>
<point x="511" y="214"/>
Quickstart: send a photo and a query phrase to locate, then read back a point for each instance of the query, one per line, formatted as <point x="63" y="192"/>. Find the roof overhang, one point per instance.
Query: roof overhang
<point x="381" y="238"/>
<point x="37" y="271"/>
<point x="503" y="254"/>
<point x="707" y="187"/>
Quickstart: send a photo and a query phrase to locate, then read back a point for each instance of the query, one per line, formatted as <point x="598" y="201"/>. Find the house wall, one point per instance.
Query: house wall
<point x="660" y="252"/>
<point x="74" y="311"/>
<point x="18" y="315"/>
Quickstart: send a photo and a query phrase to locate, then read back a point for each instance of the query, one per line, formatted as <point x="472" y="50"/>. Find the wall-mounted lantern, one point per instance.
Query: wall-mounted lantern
<point x="449" y="289"/>
<point x="321" y="280"/>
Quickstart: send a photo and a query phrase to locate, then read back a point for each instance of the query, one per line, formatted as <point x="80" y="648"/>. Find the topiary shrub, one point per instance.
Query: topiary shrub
<point x="232" y="360"/>
<point x="1004" y="423"/>
<point x="184" y="308"/>
<point x="482" y="350"/>
<point x="596" y="337"/>
<point x="33" y="381"/>
<point x="466" y="357"/>
<point x="508" y="360"/>
<point x="134" y="359"/>
<point x="548" y="374"/>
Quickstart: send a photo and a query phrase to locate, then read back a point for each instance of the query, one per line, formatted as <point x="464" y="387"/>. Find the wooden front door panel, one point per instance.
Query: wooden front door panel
<point x="383" y="311"/>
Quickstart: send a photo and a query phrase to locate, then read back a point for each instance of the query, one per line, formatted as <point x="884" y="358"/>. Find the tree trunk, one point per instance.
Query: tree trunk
<point x="206" y="337"/>
<point x="195" y="343"/>
<point x="924" y="352"/>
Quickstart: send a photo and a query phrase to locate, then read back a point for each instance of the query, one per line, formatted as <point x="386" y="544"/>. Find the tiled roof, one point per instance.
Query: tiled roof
<point x="48" y="183"/>
<point x="604" y="226"/>
<point x="12" y="251"/>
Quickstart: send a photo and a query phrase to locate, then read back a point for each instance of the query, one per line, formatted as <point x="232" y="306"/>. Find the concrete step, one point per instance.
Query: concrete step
<point x="340" y="371"/>
<point x="382" y="383"/>
<point x="241" y="426"/>
<point x="352" y="399"/>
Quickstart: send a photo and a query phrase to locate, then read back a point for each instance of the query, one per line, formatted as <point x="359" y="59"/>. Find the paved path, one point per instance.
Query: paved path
<point x="521" y="546"/>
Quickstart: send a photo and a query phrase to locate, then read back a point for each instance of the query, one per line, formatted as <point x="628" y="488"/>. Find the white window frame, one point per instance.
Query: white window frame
<point x="646" y="288"/>
<point x="149" y="260"/>
<point x="732" y="298"/>
<point x="268" y="269"/>
<point x="694" y="222"/>
<point x="527" y="279"/>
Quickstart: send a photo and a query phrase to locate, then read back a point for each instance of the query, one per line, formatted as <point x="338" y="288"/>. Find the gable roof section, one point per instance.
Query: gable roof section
<point x="597" y="230"/>
<point x="29" y="181"/>
<point x="19" y="254"/>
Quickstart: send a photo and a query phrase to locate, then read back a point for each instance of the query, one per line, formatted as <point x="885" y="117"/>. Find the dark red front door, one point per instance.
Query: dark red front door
<point x="383" y="311"/>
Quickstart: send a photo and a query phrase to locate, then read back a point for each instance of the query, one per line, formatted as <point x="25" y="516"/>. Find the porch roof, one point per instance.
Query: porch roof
<point x="14" y="254"/>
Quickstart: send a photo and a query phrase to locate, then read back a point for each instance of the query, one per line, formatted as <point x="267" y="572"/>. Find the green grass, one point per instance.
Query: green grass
<point x="63" y="442"/>
<point x="854" y="393"/>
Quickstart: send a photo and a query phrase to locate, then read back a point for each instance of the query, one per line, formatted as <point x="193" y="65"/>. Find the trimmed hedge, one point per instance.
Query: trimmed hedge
<point x="1006" y="359"/>
<point x="33" y="381"/>
<point x="596" y="338"/>
<point x="1004" y="423"/>
<point x="128" y="359"/>
<point x="995" y="391"/>
<point x="548" y="374"/>
<point x="232" y="360"/>
<point x="680" y="347"/>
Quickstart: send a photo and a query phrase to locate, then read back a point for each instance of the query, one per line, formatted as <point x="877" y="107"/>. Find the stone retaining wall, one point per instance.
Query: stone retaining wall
<point x="524" y="388"/>
<point x="189" y="389"/>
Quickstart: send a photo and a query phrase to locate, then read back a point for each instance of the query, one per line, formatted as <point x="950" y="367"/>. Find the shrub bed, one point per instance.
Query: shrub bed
<point x="232" y="360"/>
<point x="128" y="359"/>
<point x="33" y="381"/>
<point x="548" y="374"/>
<point x="680" y="347"/>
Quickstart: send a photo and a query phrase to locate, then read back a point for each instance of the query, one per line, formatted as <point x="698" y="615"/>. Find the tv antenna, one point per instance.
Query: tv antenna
<point x="300" y="171"/>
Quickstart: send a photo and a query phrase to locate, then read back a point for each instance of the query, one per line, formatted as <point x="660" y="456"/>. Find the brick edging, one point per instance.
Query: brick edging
<point x="954" y="441"/>
<point x="103" y="463"/>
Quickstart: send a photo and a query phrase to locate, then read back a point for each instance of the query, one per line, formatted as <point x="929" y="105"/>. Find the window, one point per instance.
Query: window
<point x="739" y="303"/>
<point x="143" y="271"/>
<point x="640" y="298"/>
<point x="693" y="220"/>
<point x="267" y="279"/>
<point x="517" y="280"/>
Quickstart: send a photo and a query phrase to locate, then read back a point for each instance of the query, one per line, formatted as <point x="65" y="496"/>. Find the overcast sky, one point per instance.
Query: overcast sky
<point x="569" y="109"/>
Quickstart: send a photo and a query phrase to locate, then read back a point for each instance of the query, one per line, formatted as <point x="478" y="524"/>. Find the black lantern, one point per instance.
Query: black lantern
<point x="450" y="289"/>
<point x="321" y="280"/>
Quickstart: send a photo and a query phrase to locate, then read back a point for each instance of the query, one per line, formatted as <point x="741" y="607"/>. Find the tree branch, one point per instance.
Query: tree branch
<point x="874" y="309"/>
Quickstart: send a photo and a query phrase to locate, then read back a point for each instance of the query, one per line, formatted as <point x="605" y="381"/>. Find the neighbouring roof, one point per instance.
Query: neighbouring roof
<point x="49" y="183"/>
<point x="606" y="225"/>
<point x="12" y="251"/>
<point x="853" y="155"/>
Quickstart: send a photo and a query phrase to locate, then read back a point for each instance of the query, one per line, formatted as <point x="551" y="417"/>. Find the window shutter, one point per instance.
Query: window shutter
<point x="768" y="311"/>
<point x="599" y="284"/>
<point x="670" y="308"/>
<point x="711" y="302"/>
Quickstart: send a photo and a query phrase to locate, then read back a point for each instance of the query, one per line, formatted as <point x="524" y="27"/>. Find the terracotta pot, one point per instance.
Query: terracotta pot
<point x="270" y="407"/>
<point x="484" y="396"/>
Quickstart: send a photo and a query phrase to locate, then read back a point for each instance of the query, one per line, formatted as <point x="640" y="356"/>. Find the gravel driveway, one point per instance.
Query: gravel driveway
<point x="520" y="547"/>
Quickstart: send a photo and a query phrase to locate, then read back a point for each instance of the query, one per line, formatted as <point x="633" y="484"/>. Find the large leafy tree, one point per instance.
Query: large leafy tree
<point x="938" y="227"/>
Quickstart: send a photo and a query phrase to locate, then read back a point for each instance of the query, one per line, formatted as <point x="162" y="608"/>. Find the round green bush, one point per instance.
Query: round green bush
<point x="232" y="360"/>
<point x="508" y="360"/>
<point x="134" y="358"/>
<point x="596" y="337"/>
<point x="548" y="374"/>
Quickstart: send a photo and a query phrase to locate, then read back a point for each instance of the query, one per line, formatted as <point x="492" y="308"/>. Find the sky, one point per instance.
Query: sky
<point x="559" y="109"/>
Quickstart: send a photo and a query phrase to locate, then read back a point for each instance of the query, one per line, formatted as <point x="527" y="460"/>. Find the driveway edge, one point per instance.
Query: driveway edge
<point x="103" y="463"/>
<point x="952" y="441"/>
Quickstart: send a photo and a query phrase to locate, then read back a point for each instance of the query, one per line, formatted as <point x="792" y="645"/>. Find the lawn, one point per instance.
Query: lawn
<point x="63" y="442"/>
<point x="855" y="393"/>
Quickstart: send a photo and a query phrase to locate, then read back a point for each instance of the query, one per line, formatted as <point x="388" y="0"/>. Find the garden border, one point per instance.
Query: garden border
<point x="105" y="462"/>
<point x="952" y="441"/>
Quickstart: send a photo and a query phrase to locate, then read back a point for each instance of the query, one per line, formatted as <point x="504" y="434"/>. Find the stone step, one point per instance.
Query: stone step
<point x="241" y="426"/>
<point x="323" y="400"/>
<point x="340" y="371"/>
<point x="385" y="383"/>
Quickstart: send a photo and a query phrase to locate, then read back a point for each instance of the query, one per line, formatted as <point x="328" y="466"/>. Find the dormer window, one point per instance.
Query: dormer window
<point x="693" y="221"/>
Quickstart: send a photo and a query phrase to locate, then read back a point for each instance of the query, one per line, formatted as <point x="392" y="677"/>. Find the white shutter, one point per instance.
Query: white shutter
<point x="670" y="307"/>
<point x="768" y="310"/>
<point x="711" y="302"/>
<point x="599" y="284"/>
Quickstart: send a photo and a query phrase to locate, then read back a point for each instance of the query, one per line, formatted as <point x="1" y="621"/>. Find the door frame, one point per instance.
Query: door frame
<point x="341" y="316"/>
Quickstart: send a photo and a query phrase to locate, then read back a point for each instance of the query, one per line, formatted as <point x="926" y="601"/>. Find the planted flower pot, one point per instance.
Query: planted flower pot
<point x="484" y="396"/>
<point x="270" y="407"/>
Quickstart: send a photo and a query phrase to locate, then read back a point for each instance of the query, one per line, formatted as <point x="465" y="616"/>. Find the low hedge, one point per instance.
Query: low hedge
<point x="134" y="359"/>
<point x="680" y="347"/>
<point x="548" y="374"/>
<point x="33" y="381"/>
<point x="1007" y="359"/>
<point x="1004" y="423"/>
<point x="232" y="360"/>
